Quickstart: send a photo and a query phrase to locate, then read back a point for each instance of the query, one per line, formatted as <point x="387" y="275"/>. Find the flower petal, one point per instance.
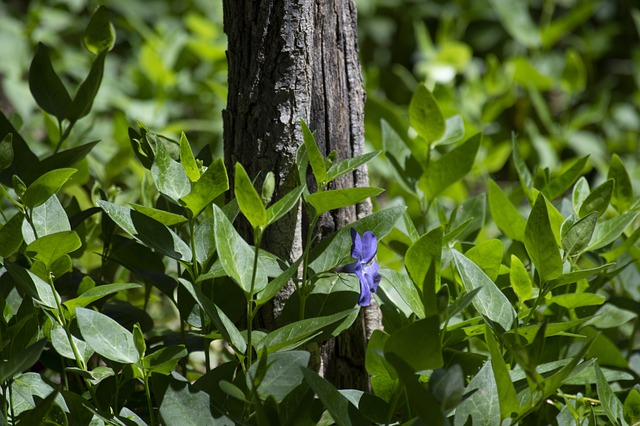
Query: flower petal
<point x="372" y="276"/>
<point x="356" y="245"/>
<point x="352" y="268"/>
<point x="365" y="294"/>
<point x="369" y="247"/>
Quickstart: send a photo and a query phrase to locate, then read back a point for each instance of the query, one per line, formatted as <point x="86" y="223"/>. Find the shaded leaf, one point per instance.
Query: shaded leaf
<point x="249" y="201"/>
<point x="504" y="213"/>
<point x="45" y="85"/>
<point x="338" y="198"/>
<point x="45" y="186"/>
<point x="540" y="242"/>
<point x="99" y="36"/>
<point x="578" y="236"/>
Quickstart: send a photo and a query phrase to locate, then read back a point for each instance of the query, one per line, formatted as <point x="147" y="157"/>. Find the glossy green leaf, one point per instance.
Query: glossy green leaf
<point x="612" y="406"/>
<point x="575" y="276"/>
<point x="51" y="247"/>
<point x="276" y="284"/>
<point x="450" y="168"/>
<point x="60" y="342"/>
<point x="106" y="336"/>
<point x="349" y="165"/>
<point x="560" y="184"/>
<point x="506" y="391"/>
<point x="598" y="200"/>
<point x="293" y="335"/>
<point x="540" y="242"/>
<point x="314" y="156"/>
<point x="417" y="344"/>
<point x="45" y="85"/>
<point x="577" y="300"/>
<point x="578" y="236"/>
<point x="184" y="405"/>
<point x="45" y="186"/>
<point x="530" y="332"/>
<point x="213" y="182"/>
<point x="520" y="279"/>
<point x="162" y="216"/>
<point x="61" y="159"/>
<point x="421" y="254"/>
<point x="631" y="407"/>
<point x="168" y="175"/>
<point x="407" y="290"/>
<point x="97" y="293"/>
<point x="34" y="286"/>
<point x="504" y="213"/>
<point x="338" y="198"/>
<point x="425" y="115"/>
<point x="483" y="404"/>
<point x="622" y="196"/>
<point x="48" y="218"/>
<point x="99" y="36"/>
<point x="22" y="361"/>
<point x="187" y="159"/>
<point x="6" y="151"/>
<point x="580" y="193"/>
<point x="454" y="131"/>
<point x="341" y="410"/>
<point x="83" y="100"/>
<point x="284" y="204"/>
<point x="164" y="360"/>
<point x="488" y="256"/>
<point x="11" y="235"/>
<point x="148" y="231"/>
<point x="249" y="201"/>
<point x="524" y="175"/>
<point x="607" y="231"/>
<point x="516" y="19"/>
<point x="283" y="375"/>
<point x="490" y="301"/>
<point x="236" y="255"/>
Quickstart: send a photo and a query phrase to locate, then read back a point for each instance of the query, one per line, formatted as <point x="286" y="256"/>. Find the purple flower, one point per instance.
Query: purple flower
<point x="368" y="271"/>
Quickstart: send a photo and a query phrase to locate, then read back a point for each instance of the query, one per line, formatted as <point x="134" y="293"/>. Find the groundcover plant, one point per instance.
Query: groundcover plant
<point x="504" y="301"/>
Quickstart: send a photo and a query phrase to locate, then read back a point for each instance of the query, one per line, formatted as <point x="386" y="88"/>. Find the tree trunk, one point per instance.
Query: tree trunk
<point x="293" y="59"/>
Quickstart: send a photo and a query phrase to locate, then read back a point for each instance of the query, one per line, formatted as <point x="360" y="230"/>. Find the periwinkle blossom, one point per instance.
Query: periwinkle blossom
<point x="366" y="269"/>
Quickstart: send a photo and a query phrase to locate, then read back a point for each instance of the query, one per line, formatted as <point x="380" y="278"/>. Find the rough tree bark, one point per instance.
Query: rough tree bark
<point x="292" y="59"/>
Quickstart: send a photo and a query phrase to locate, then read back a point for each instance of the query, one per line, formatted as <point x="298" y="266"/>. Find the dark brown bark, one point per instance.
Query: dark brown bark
<point x="293" y="59"/>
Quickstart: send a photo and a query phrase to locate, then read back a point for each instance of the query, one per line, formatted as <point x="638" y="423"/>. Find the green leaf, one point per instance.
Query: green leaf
<point x="529" y="333"/>
<point x="11" y="235"/>
<point x="184" y="405"/>
<point x="293" y="335"/>
<point x="60" y="342"/>
<point x="213" y="182"/>
<point x="425" y="115"/>
<point x="490" y="301"/>
<point x="515" y="18"/>
<point x="578" y="236"/>
<point x="520" y="280"/>
<point x="6" y="151"/>
<point x="97" y="293"/>
<point x="61" y="159"/>
<point x="506" y="391"/>
<point x="574" y="75"/>
<point x="577" y="300"/>
<point x="566" y="23"/>
<point x="540" y="242"/>
<point x="342" y="411"/>
<point x="314" y="156"/>
<point x="421" y="254"/>
<point x="417" y="344"/>
<point x="47" y="218"/>
<point x="22" y="361"/>
<point x="168" y="175"/>
<point x="284" y="204"/>
<point x="407" y="290"/>
<point x="488" y="256"/>
<point x="148" y="231"/>
<point x="162" y="216"/>
<point x="51" y="247"/>
<point x="598" y="200"/>
<point x="45" y="186"/>
<point x="560" y="184"/>
<point x="187" y="159"/>
<point x="609" y="230"/>
<point x="99" y="36"/>
<point x="575" y="276"/>
<point x="338" y="198"/>
<point x="483" y="404"/>
<point x="505" y="214"/>
<point x="632" y="407"/>
<point x="454" y="131"/>
<point x="106" y="336"/>
<point x="248" y="199"/>
<point x="580" y="193"/>
<point x="164" y="360"/>
<point x="283" y="375"/>
<point x="524" y="175"/>
<point x="349" y="165"/>
<point x="236" y="255"/>
<point x="450" y="168"/>
<point x="610" y="403"/>
<point x="622" y="196"/>
<point x="277" y="283"/>
<point x="83" y="101"/>
<point x="45" y="85"/>
<point x="34" y="286"/>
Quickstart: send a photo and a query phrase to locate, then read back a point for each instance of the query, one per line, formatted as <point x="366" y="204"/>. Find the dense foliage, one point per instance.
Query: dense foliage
<point x="506" y="237"/>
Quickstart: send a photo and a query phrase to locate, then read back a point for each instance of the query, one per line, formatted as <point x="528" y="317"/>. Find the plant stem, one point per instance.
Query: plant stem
<point x="394" y="403"/>
<point x="257" y="237"/>
<point x="147" y="392"/>
<point x="304" y="287"/>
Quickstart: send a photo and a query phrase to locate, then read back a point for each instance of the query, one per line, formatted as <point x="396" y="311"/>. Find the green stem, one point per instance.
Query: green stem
<point x="394" y="403"/>
<point x="147" y="392"/>
<point x="63" y="136"/>
<point x="257" y="237"/>
<point x="304" y="287"/>
<point x="195" y="268"/>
